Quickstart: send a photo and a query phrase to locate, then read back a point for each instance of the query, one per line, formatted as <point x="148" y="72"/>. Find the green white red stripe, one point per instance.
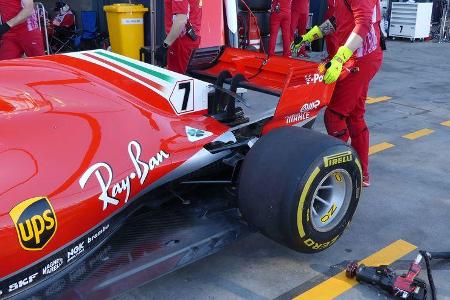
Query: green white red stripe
<point x="163" y="82"/>
<point x="149" y="82"/>
<point x="159" y="80"/>
<point x="139" y="67"/>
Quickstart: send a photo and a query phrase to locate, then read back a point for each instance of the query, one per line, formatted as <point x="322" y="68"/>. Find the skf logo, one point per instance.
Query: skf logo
<point x="35" y="222"/>
<point x="337" y="159"/>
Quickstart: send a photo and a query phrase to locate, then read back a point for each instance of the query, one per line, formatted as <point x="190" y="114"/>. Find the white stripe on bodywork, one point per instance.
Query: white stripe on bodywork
<point x="200" y="89"/>
<point x="94" y="61"/>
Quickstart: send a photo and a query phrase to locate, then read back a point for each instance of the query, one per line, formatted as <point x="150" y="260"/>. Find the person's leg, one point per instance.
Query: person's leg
<point x="343" y="102"/>
<point x="9" y="48"/>
<point x="286" y="34"/>
<point x="345" y="98"/>
<point x="294" y="23"/>
<point x="330" y="41"/>
<point x="359" y="132"/>
<point x="301" y="28"/>
<point x="274" y="27"/>
<point x="32" y="43"/>
<point x="302" y="23"/>
<point x="179" y="54"/>
<point x="172" y="57"/>
<point x="336" y="125"/>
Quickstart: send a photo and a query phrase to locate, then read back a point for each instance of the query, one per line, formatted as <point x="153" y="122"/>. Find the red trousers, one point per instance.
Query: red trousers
<point x="332" y="46"/>
<point x="16" y="44"/>
<point x="283" y="20"/>
<point x="331" y="40"/>
<point x="180" y="52"/>
<point x="299" y="21"/>
<point x="344" y="116"/>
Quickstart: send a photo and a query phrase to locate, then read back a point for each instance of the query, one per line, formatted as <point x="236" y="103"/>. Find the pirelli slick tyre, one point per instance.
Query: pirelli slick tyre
<point x="300" y="188"/>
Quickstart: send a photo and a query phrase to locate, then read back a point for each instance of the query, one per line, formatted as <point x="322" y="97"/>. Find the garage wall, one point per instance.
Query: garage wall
<point x="97" y="5"/>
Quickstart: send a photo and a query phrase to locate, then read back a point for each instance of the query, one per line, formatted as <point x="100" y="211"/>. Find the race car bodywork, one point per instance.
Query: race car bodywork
<point x="85" y="134"/>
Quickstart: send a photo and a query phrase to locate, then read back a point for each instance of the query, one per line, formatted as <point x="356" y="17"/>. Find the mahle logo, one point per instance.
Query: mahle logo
<point x="35" y="222"/>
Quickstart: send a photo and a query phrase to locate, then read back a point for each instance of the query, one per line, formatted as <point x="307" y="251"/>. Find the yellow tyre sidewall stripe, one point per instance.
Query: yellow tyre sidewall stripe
<point x="358" y="163"/>
<point x="301" y="203"/>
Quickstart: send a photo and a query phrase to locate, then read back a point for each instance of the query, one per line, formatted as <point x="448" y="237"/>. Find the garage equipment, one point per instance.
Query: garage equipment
<point x="406" y="286"/>
<point x="410" y="20"/>
<point x="126" y="28"/>
<point x="444" y="32"/>
<point x="428" y="256"/>
<point x="253" y="23"/>
<point x="43" y="21"/>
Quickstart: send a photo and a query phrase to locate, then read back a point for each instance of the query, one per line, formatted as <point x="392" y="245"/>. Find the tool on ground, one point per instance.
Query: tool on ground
<point x="406" y="286"/>
<point x="428" y="256"/>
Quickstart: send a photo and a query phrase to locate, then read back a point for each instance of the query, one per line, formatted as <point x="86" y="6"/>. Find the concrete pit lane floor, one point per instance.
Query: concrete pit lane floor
<point x="407" y="207"/>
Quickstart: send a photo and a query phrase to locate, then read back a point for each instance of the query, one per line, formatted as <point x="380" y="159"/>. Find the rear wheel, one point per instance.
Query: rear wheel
<point x="300" y="188"/>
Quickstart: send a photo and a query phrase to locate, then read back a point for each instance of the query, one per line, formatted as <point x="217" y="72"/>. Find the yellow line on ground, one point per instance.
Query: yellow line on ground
<point x="380" y="147"/>
<point x="339" y="284"/>
<point x="417" y="134"/>
<point x="372" y="100"/>
<point x="446" y="123"/>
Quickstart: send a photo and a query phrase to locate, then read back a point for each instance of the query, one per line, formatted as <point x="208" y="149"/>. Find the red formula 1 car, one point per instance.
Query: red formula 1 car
<point x="86" y="135"/>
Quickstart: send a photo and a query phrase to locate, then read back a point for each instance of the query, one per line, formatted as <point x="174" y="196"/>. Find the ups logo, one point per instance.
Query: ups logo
<point x="35" y="222"/>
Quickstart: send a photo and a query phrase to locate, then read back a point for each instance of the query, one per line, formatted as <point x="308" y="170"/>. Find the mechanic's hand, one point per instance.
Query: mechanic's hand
<point x="297" y="44"/>
<point x="314" y="34"/>
<point x="161" y="55"/>
<point x="335" y="65"/>
<point x="4" y="28"/>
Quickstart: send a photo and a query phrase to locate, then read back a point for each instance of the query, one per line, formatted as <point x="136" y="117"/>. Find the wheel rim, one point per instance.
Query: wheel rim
<point x="331" y="200"/>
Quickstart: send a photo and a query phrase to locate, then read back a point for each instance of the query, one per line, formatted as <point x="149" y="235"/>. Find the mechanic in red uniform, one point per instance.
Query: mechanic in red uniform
<point x="299" y="20"/>
<point x="183" y="23"/>
<point x="65" y="17"/>
<point x="19" y="31"/>
<point x="280" y="17"/>
<point x="63" y="22"/>
<point x="330" y="39"/>
<point x="357" y="30"/>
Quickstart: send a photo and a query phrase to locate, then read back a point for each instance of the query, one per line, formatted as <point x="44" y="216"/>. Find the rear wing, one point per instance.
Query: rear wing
<point x="298" y="83"/>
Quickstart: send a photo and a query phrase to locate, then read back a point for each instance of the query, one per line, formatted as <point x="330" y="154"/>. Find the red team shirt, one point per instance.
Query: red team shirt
<point x="363" y="19"/>
<point x="191" y="8"/>
<point x="11" y="8"/>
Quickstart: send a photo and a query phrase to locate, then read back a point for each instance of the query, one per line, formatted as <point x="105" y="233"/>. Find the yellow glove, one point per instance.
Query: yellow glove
<point x="314" y="34"/>
<point x="335" y="66"/>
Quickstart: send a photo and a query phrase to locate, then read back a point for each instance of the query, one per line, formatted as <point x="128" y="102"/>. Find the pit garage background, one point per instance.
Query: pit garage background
<point x="317" y="10"/>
